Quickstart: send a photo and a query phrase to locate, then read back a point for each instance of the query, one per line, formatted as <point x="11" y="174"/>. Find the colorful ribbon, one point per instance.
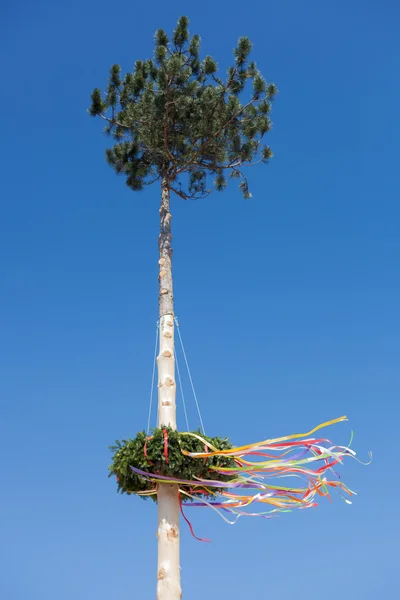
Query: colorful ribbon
<point x="308" y="459"/>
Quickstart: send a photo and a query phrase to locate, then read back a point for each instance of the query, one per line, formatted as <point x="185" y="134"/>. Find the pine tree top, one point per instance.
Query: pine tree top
<point x="175" y="118"/>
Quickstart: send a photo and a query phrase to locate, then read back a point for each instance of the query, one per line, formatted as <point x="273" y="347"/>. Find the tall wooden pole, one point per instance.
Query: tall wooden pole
<point x="168" y="574"/>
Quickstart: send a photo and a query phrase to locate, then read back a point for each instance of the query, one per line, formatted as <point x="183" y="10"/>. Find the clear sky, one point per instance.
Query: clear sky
<point x="288" y="303"/>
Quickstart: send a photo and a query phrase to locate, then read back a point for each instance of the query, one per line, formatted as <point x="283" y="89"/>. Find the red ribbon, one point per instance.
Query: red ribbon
<point x="207" y="451"/>
<point x="166" y="446"/>
<point x="189" y="523"/>
<point x="145" y="452"/>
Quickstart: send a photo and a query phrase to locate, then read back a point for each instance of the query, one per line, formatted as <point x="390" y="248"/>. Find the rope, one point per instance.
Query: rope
<point x="181" y="388"/>
<point x="190" y="376"/>
<point x="152" y="378"/>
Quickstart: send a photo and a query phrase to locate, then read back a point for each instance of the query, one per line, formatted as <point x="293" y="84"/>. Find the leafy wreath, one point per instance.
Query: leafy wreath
<point x="164" y="453"/>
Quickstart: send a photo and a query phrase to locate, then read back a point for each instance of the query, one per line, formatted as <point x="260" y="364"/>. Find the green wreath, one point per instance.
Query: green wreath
<point x="161" y="454"/>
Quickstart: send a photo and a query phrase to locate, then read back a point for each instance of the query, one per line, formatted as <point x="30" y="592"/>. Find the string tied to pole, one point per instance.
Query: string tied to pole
<point x="179" y="374"/>
<point x="153" y="376"/>
<point x="189" y="374"/>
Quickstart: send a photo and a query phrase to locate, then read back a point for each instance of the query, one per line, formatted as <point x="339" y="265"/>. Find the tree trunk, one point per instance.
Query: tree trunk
<point x="168" y="575"/>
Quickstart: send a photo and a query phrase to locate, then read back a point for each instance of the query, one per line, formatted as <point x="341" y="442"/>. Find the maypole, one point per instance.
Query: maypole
<point x="168" y="573"/>
<point x="174" y="120"/>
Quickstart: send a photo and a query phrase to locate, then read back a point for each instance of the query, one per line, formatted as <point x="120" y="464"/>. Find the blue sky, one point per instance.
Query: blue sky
<point x="297" y="293"/>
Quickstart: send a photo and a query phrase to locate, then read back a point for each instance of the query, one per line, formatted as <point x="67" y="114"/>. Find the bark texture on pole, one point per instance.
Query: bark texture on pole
<point x="165" y="296"/>
<point x="168" y="574"/>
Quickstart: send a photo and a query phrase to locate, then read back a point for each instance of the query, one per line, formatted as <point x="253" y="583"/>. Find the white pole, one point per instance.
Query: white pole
<point x="168" y="573"/>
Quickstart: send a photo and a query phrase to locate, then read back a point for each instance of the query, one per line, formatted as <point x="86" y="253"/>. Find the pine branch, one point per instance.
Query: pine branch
<point x="193" y="196"/>
<point x="112" y="121"/>
<point x="212" y="137"/>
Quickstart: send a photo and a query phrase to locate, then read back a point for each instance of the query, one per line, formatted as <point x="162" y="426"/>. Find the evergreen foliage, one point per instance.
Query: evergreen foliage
<point x="176" y="119"/>
<point x="150" y="458"/>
